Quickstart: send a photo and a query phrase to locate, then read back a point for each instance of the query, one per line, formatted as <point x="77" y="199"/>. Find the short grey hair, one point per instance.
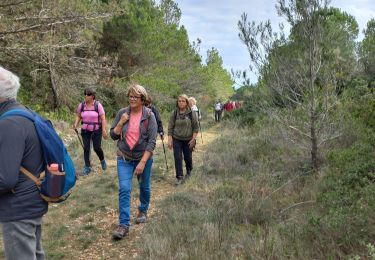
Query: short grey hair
<point x="9" y="84"/>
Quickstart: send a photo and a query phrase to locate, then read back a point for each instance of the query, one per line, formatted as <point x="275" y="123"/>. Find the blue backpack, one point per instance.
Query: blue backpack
<point x="54" y="186"/>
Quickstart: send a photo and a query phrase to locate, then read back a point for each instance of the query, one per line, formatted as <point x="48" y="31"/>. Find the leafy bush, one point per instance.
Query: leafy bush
<point x="347" y="196"/>
<point x="360" y="101"/>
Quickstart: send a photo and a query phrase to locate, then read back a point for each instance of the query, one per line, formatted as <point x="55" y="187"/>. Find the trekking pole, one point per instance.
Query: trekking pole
<point x="200" y="129"/>
<point x="79" y="138"/>
<point x="165" y="156"/>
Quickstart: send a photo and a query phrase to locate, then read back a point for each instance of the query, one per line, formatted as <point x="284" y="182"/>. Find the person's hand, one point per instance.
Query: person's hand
<point x="140" y="167"/>
<point x="170" y="142"/>
<point x="161" y="136"/>
<point x="124" y="118"/>
<point x="104" y="133"/>
<point x="192" y="143"/>
<point x="74" y="126"/>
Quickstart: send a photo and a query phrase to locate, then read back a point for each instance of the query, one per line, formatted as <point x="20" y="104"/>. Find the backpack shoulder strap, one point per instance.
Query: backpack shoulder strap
<point x="82" y="106"/>
<point x="175" y="115"/>
<point x="26" y="114"/>
<point x="145" y="123"/>
<point x="190" y="115"/>
<point x="18" y="112"/>
<point x="96" y="106"/>
<point x="31" y="176"/>
<point x="126" y="110"/>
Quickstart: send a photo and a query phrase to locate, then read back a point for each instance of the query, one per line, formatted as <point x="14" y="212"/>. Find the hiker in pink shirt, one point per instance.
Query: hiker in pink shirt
<point x="92" y="115"/>
<point x="135" y="129"/>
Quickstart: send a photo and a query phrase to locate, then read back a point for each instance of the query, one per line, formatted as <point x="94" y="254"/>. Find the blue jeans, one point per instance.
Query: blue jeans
<point x="22" y="239"/>
<point x="125" y="170"/>
<point x="182" y="148"/>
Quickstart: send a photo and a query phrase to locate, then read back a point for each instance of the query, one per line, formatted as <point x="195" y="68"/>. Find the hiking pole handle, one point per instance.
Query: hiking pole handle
<point x="200" y="129"/>
<point x="79" y="138"/>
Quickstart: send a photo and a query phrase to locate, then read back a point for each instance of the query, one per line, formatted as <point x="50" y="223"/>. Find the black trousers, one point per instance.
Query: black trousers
<point x="96" y="137"/>
<point x="182" y="148"/>
<point x="218" y="115"/>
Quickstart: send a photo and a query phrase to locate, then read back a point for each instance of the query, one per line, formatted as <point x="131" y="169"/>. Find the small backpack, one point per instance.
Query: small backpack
<point x="96" y="109"/>
<point x="190" y="115"/>
<point x="53" y="187"/>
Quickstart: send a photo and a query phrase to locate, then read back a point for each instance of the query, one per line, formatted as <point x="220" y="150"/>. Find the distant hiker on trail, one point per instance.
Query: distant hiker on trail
<point x="21" y="206"/>
<point x="135" y="130"/>
<point x="92" y="115"/>
<point x="194" y="108"/>
<point x="218" y="110"/>
<point x="148" y="103"/>
<point x="182" y="132"/>
<point x="228" y="106"/>
<point x="237" y="105"/>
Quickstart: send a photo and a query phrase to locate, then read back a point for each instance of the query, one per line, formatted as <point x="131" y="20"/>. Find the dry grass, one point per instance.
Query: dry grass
<point x="250" y="197"/>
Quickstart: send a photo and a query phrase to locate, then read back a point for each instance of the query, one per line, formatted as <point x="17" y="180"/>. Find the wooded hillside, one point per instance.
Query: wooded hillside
<point x="59" y="47"/>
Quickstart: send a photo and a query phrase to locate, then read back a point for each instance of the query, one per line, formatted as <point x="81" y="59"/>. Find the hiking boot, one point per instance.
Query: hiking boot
<point x="86" y="170"/>
<point x="178" y="181"/>
<point x="141" y="218"/>
<point x="104" y="165"/>
<point x="188" y="174"/>
<point x="120" y="232"/>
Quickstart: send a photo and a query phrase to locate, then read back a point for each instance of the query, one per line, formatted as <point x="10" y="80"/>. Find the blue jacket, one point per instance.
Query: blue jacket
<point x="19" y="145"/>
<point x="147" y="139"/>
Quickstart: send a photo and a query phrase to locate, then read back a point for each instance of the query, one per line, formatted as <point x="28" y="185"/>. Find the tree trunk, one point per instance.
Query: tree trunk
<point x="314" y="144"/>
<point x="313" y="49"/>
<point x="52" y="79"/>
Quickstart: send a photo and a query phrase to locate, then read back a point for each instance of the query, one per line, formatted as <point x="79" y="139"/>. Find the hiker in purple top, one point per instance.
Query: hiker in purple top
<point x="92" y="115"/>
<point x="21" y="206"/>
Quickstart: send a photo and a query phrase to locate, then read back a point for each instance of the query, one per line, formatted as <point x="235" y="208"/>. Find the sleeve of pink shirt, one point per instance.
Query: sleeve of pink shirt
<point x="101" y="109"/>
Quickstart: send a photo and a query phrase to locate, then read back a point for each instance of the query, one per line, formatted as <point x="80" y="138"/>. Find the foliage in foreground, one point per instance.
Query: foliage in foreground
<point x="260" y="201"/>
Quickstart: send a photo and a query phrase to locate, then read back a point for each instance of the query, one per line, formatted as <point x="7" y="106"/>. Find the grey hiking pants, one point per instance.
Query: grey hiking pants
<point x="22" y="239"/>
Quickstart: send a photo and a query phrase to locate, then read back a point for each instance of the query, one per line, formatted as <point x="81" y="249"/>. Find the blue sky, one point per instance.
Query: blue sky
<point x="215" y="23"/>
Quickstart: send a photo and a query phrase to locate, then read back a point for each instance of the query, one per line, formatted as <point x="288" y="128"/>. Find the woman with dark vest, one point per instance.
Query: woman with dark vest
<point x="182" y="131"/>
<point x="92" y="115"/>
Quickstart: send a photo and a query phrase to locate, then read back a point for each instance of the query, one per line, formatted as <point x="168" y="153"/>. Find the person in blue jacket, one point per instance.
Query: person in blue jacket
<point x="21" y="206"/>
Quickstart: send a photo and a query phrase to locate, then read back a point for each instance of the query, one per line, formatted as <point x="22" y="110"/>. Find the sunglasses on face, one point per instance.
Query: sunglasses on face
<point x="88" y="94"/>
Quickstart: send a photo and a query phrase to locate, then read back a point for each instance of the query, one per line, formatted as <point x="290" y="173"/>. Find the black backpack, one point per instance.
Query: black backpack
<point x="190" y="115"/>
<point x="96" y="109"/>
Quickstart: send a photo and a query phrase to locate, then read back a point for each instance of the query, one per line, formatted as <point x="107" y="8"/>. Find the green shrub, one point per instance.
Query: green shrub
<point x="346" y="198"/>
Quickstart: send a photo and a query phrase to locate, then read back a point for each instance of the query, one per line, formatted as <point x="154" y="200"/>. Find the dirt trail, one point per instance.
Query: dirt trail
<point x="104" y="247"/>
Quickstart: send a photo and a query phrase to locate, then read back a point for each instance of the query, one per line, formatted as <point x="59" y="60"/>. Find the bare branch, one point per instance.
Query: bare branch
<point x="69" y="45"/>
<point x="14" y="4"/>
<point x="296" y="205"/>
<point x="71" y="20"/>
